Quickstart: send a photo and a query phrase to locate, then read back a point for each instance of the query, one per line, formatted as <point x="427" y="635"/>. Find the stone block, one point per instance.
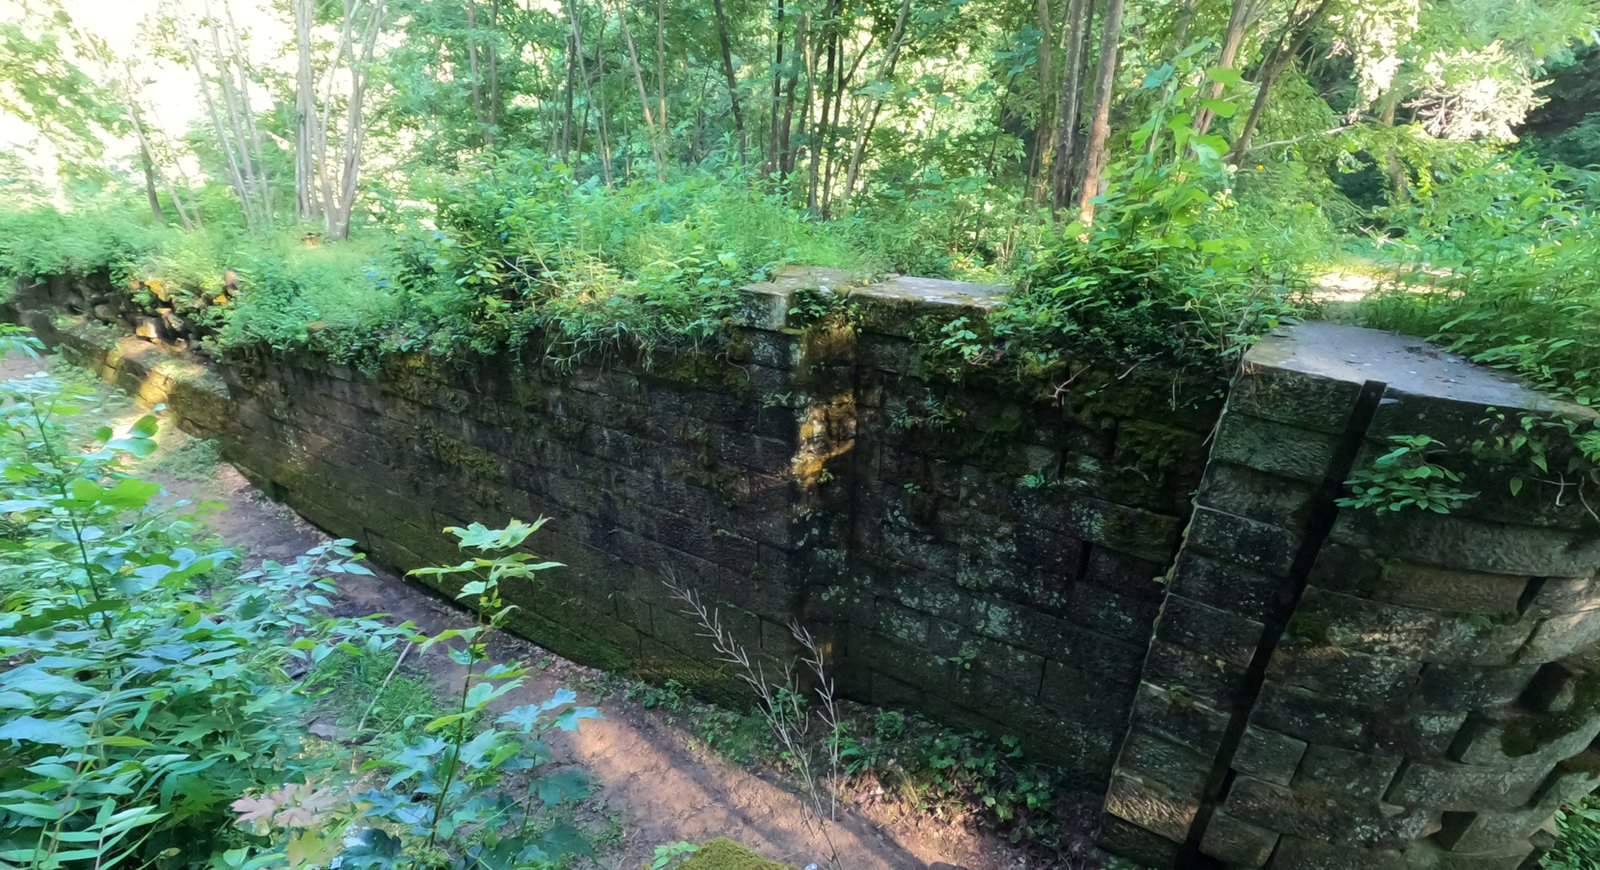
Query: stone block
<point x="1274" y="448"/>
<point x="1507" y="737"/>
<point x="1489" y="830"/>
<point x="1311" y="717"/>
<point x="1206" y="678"/>
<point x="1151" y="757"/>
<point x="1449" y="541"/>
<point x="1129" y="841"/>
<point x="1269" y="390"/>
<point x="1555" y="596"/>
<point x="1225" y="585"/>
<point x="1344" y="673"/>
<point x="1572" y="780"/>
<point x="1472" y="687"/>
<point x="1448" y="590"/>
<point x="1560" y="636"/>
<point x="1246" y="492"/>
<point x="1179" y="718"/>
<point x="1335" y="819"/>
<point x="1300" y="853"/>
<point x="1152" y="806"/>
<point x="1237" y="843"/>
<point x="1254" y="544"/>
<point x="1405" y="632"/>
<point x="1451" y="785"/>
<point x="1342" y="772"/>
<point x="1514" y="855"/>
<point x="1268" y="755"/>
<point x="1343" y="568"/>
<point x="1209" y="630"/>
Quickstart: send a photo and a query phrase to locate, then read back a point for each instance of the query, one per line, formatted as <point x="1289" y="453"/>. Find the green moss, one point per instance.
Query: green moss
<point x="724" y="854"/>
<point x="1529" y="735"/>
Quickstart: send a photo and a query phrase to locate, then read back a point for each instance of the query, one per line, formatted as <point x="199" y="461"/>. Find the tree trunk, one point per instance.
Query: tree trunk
<point x="472" y="73"/>
<point x="885" y="77"/>
<point x="1399" y="181"/>
<point x="1080" y="18"/>
<point x="588" y="88"/>
<point x="661" y="78"/>
<point x="1105" y="80"/>
<point x="305" y="197"/>
<point x="644" y="99"/>
<point x="492" y="50"/>
<point x="820" y="134"/>
<point x="769" y="161"/>
<point x="787" y="144"/>
<point x="566" y="120"/>
<point x="1044" y="139"/>
<point x="1289" y="45"/>
<point x="1238" y="19"/>
<point x="727" y="72"/>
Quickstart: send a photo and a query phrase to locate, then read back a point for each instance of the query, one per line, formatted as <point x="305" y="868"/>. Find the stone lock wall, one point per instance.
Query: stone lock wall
<point x="1160" y="594"/>
<point x="1327" y="687"/>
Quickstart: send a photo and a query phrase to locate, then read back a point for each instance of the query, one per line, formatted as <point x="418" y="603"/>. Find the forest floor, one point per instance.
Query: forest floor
<point x="657" y="782"/>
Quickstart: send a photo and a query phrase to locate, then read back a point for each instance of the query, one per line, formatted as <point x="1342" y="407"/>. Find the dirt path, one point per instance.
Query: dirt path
<point x="651" y="774"/>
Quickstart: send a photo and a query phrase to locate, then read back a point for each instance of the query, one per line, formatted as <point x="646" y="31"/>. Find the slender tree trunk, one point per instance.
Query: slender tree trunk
<point x="644" y="99"/>
<point x="820" y="136"/>
<point x="242" y="66"/>
<point x="566" y="119"/>
<point x="472" y="72"/>
<point x="305" y="197"/>
<point x="1238" y="18"/>
<point x="355" y="129"/>
<point x="492" y="50"/>
<point x="769" y="161"/>
<point x="786" y="144"/>
<point x="1045" y="132"/>
<point x="1289" y="45"/>
<point x="1105" y="81"/>
<point x="1080" y="18"/>
<point x="235" y="174"/>
<point x="661" y="78"/>
<point x="727" y="72"/>
<point x="601" y="113"/>
<point x="230" y="105"/>
<point x="1180" y="35"/>
<point x="885" y="78"/>
<point x="588" y="87"/>
<point x="1399" y="182"/>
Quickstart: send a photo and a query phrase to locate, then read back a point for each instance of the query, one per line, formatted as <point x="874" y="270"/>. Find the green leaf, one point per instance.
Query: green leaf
<point x="48" y="732"/>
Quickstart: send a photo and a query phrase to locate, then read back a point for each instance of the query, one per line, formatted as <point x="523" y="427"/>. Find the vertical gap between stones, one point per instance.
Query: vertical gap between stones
<point x="1318" y="526"/>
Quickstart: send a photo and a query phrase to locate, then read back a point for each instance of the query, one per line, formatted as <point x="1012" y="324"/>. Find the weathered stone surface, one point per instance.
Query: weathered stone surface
<point x="1341" y="820"/>
<point x="1238" y="843"/>
<point x="1449" y="785"/>
<point x="1274" y="448"/>
<point x="992" y="551"/>
<point x="1268" y="755"/>
<point x="1454" y="591"/>
<point x="1262" y="546"/>
<point x="1151" y="806"/>
<point x="1334" y="771"/>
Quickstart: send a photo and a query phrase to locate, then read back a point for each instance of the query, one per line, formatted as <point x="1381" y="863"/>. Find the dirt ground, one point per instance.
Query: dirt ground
<point x="652" y="776"/>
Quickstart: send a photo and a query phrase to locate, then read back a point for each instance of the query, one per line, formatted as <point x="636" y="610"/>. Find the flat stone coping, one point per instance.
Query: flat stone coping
<point x="1407" y="364"/>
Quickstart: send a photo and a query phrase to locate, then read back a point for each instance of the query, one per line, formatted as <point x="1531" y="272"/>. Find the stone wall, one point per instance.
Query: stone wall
<point x="1160" y="595"/>
<point x="1328" y="687"/>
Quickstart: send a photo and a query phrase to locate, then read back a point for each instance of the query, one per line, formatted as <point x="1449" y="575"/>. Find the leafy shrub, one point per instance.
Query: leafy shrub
<point x="152" y="700"/>
<point x="1504" y="266"/>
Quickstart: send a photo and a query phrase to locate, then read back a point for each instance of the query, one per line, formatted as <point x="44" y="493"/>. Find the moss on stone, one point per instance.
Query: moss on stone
<point x="1529" y="735"/>
<point x="724" y="854"/>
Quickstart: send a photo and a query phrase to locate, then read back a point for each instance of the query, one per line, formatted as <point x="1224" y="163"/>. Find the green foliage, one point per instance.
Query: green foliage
<point x="1406" y="476"/>
<point x="1503" y="265"/>
<point x="951" y="774"/>
<point x="1578" y="846"/>
<point x="153" y="699"/>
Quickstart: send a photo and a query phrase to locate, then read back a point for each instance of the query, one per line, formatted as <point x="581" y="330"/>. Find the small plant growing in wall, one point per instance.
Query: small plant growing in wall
<point x="1407" y="477"/>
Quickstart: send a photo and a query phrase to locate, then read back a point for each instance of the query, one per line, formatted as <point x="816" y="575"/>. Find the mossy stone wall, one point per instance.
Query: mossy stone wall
<point x="1158" y="594"/>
